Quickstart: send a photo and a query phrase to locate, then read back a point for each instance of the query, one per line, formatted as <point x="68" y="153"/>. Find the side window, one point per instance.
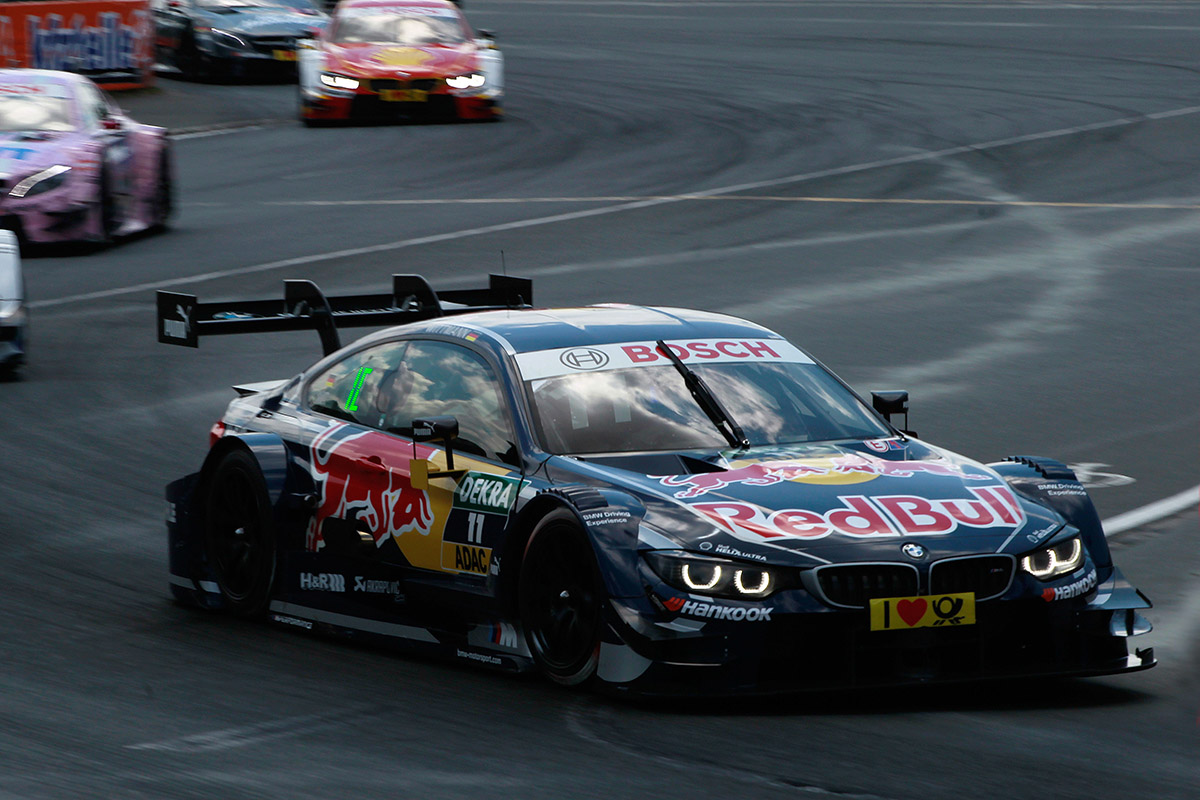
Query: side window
<point x="438" y="378"/>
<point x="350" y="389"/>
<point x="390" y="385"/>
<point x="92" y="106"/>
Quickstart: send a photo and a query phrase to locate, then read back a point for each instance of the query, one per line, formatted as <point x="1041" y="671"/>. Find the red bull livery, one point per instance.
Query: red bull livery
<point x="72" y="165"/>
<point x="649" y="500"/>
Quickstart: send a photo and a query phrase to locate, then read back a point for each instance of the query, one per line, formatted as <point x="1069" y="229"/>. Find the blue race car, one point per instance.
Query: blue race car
<point x="655" y="500"/>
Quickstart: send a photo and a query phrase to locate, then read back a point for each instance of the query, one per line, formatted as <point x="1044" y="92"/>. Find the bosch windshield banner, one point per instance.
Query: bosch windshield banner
<point x="541" y="364"/>
<point x="110" y="41"/>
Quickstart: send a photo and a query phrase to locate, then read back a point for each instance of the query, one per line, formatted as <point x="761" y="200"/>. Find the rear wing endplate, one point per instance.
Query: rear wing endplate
<point x="182" y="319"/>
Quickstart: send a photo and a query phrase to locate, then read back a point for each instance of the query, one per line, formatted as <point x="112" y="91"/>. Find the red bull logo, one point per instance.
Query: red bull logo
<point x="841" y="469"/>
<point x="861" y="516"/>
<point x="765" y="474"/>
<point x="350" y="486"/>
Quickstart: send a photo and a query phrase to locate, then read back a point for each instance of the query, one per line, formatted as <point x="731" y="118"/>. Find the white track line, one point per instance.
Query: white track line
<point x="851" y="169"/>
<point x="1152" y="512"/>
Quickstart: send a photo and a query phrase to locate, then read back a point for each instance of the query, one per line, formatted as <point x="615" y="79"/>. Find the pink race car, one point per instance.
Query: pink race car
<point x="72" y="165"/>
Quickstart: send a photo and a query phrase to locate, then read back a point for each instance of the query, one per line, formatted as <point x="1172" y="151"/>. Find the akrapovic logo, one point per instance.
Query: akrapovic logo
<point x="322" y="582"/>
<point x="699" y="610"/>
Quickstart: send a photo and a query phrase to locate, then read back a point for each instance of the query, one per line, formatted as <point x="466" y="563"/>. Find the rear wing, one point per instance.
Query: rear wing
<point x="182" y="319"/>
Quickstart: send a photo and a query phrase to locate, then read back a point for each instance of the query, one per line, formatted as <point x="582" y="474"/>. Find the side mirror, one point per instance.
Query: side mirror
<point x="433" y="429"/>
<point x="489" y="36"/>
<point x="894" y="401"/>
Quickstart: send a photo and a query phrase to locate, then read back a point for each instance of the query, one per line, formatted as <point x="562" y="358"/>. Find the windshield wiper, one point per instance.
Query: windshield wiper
<point x="707" y="401"/>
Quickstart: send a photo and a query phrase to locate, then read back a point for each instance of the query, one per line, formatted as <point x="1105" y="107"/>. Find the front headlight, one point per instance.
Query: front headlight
<point x="1050" y="562"/>
<point x="473" y="80"/>
<point x="336" y="81"/>
<point x="11" y="312"/>
<point x="718" y="577"/>
<point x="44" y="181"/>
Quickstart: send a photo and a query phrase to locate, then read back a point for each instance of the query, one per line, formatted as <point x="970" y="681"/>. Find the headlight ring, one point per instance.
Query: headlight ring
<point x="39" y="182"/>
<point x="1054" y="561"/>
<point x="716" y="577"/>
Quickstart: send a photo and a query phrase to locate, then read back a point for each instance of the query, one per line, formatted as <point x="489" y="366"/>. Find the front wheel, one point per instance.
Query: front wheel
<point x="239" y="533"/>
<point x="560" y="596"/>
<point x="163" y="201"/>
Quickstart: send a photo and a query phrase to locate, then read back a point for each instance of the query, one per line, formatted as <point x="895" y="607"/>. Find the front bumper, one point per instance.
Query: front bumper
<point x="834" y="648"/>
<point x="373" y="102"/>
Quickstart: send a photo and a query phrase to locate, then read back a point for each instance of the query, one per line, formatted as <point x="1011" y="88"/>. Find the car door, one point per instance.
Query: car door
<point x="446" y="530"/>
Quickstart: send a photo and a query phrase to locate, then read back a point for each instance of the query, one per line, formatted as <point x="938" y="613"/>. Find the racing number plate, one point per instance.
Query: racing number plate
<point x="933" y="611"/>
<point x="284" y="55"/>
<point x="403" y="95"/>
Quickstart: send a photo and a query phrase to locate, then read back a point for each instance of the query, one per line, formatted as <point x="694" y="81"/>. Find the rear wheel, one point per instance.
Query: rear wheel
<point x="163" y="202"/>
<point x="109" y="221"/>
<point x="239" y="533"/>
<point x="560" y="595"/>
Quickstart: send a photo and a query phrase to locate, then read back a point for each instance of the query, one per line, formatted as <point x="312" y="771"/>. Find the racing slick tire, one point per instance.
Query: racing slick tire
<point x="195" y="64"/>
<point x="109" y="224"/>
<point x="239" y="533"/>
<point x="559" y="598"/>
<point x="164" y="193"/>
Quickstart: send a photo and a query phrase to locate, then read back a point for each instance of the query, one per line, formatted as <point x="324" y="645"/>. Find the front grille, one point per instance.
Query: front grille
<point x="852" y="585"/>
<point x="269" y="44"/>
<point x="380" y="84"/>
<point x="986" y="576"/>
<point x="369" y="106"/>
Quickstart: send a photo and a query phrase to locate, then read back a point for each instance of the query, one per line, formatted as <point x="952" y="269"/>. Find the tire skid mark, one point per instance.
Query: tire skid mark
<point x="577" y="723"/>
<point x="247" y="735"/>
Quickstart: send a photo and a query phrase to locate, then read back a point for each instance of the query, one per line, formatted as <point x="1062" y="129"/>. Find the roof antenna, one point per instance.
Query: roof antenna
<point x="503" y="266"/>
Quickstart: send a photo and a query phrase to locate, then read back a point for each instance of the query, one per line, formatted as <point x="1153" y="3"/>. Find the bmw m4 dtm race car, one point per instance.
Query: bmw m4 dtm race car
<point x="656" y="500"/>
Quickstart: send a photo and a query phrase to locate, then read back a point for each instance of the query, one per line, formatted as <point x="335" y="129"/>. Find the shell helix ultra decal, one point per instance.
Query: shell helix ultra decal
<point x="401" y="57"/>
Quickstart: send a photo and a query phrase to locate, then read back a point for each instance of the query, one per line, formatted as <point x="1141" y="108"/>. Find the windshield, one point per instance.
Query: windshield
<point x="650" y="408"/>
<point x="220" y="6"/>
<point x="34" y="112"/>
<point x="398" y="26"/>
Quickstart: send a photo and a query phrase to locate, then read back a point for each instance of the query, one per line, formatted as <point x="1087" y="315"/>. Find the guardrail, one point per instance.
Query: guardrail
<point x="110" y="41"/>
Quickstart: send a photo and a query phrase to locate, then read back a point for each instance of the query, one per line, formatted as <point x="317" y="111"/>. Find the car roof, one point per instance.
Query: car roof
<point x="397" y="3"/>
<point x="21" y="74"/>
<point x="529" y="329"/>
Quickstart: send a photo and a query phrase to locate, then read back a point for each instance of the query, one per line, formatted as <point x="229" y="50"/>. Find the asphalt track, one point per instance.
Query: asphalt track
<point x="991" y="204"/>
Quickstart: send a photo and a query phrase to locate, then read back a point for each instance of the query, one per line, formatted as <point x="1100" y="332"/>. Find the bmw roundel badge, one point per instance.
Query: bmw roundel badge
<point x="913" y="550"/>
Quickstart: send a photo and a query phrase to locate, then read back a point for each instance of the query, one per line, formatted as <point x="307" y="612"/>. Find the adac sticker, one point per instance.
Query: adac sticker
<point x="485" y="493"/>
<point x="466" y="558"/>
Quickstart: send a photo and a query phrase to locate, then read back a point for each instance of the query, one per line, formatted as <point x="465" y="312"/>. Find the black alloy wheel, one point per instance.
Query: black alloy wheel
<point x="560" y="596"/>
<point x="239" y="534"/>
<point x="109" y="223"/>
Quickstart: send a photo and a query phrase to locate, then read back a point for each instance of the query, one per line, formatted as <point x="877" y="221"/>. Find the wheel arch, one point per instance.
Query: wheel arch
<point x="1054" y="485"/>
<point x="614" y="545"/>
<point x="267" y="449"/>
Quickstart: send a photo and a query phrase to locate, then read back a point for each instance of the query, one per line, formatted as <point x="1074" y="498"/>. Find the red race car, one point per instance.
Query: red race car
<point x="398" y="59"/>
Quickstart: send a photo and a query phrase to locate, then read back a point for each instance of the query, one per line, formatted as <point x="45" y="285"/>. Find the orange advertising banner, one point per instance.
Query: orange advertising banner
<point x="110" y="41"/>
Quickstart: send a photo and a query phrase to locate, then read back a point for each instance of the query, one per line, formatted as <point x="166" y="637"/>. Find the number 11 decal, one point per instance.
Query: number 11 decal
<point x="475" y="528"/>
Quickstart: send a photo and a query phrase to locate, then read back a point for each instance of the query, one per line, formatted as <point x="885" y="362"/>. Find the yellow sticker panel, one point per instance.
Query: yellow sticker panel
<point x="466" y="558"/>
<point x="284" y="55"/>
<point x="404" y="95"/>
<point x="933" y="611"/>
